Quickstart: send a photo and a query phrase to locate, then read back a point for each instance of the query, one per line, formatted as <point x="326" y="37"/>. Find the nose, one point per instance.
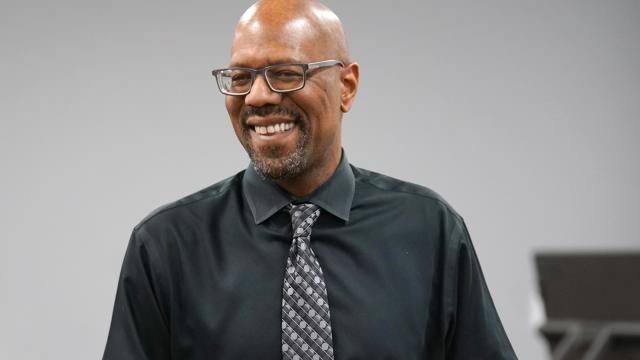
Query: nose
<point x="261" y="94"/>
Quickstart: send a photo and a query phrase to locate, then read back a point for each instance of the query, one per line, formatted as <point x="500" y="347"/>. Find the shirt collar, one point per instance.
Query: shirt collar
<point x="335" y="196"/>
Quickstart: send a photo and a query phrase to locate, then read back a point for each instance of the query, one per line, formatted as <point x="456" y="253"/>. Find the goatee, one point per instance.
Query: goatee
<point x="270" y="161"/>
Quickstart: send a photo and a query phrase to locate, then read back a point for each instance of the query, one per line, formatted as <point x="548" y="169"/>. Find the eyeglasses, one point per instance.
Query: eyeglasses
<point x="281" y="78"/>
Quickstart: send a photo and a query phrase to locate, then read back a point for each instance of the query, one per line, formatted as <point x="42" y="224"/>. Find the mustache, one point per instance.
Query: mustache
<point x="267" y="110"/>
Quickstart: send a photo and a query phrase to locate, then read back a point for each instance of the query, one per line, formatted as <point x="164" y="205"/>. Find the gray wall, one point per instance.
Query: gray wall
<point x="523" y="115"/>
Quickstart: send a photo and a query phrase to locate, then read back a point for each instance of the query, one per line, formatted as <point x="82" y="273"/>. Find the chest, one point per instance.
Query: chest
<point x="383" y="295"/>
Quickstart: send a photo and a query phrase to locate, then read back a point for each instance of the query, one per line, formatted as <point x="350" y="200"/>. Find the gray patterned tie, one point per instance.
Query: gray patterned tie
<point x="306" y="326"/>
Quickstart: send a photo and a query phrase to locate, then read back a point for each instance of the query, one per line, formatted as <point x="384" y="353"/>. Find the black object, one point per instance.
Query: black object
<point x="202" y="277"/>
<point x="592" y="303"/>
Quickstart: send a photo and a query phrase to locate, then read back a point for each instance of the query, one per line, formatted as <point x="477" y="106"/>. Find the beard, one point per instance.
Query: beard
<point x="271" y="161"/>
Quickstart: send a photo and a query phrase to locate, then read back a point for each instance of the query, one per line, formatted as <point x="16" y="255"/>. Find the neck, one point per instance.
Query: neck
<point x="308" y="182"/>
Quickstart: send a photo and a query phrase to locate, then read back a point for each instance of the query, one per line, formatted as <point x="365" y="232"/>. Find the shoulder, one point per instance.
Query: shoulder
<point x="190" y="207"/>
<point x="377" y="185"/>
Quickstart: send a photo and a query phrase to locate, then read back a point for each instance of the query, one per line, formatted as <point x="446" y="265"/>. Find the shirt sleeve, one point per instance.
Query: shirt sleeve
<point x="139" y="327"/>
<point x="475" y="330"/>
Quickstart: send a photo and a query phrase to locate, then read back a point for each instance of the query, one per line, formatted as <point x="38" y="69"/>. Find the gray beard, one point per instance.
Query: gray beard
<point x="275" y="168"/>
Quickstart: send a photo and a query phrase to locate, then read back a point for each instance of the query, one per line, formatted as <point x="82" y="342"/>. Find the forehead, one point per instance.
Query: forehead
<point x="259" y="43"/>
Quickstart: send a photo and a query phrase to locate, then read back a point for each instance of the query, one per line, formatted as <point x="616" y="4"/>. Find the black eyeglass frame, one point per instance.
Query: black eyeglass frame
<point x="255" y="72"/>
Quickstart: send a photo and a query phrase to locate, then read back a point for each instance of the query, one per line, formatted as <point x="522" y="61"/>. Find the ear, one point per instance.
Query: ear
<point x="350" y="80"/>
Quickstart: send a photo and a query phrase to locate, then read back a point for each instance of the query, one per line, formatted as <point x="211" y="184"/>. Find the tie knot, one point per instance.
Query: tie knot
<point x="303" y="216"/>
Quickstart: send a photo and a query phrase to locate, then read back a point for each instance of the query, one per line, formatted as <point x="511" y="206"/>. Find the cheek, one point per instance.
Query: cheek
<point x="233" y="105"/>
<point x="328" y="108"/>
<point x="324" y="105"/>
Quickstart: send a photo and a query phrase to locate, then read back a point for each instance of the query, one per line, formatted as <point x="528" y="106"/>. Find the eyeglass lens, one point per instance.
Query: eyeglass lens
<point x="280" y="77"/>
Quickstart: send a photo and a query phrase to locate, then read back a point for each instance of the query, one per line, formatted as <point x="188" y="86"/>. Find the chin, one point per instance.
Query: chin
<point x="279" y="168"/>
<point x="278" y="162"/>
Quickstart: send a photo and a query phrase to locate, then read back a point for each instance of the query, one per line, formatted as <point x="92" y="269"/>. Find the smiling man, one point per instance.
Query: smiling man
<point x="301" y="255"/>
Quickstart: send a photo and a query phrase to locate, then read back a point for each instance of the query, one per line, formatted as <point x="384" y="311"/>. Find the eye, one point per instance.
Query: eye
<point x="240" y="79"/>
<point x="285" y="75"/>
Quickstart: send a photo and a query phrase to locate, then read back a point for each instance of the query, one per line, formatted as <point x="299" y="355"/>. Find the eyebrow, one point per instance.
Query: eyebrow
<point x="270" y="62"/>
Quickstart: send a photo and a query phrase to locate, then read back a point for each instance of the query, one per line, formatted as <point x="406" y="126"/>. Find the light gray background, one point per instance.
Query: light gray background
<point x="524" y="115"/>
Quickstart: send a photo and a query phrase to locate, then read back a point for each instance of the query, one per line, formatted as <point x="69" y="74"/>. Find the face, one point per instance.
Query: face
<point x="286" y="134"/>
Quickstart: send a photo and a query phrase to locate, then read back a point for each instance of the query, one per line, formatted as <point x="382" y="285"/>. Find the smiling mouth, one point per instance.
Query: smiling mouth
<point x="273" y="129"/>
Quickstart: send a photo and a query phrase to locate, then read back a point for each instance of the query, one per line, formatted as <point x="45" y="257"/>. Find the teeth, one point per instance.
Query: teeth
<point x="272" y="129"/>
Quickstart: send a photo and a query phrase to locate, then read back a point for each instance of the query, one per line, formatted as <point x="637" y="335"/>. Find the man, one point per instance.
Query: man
<point x="301" y="256"/>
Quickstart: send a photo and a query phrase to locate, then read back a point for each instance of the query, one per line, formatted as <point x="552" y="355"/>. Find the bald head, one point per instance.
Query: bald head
<point x="294" y="21"/>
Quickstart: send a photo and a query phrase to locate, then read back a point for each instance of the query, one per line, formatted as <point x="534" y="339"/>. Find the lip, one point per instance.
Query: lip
<point x="278" y="136"/>
<point x="254" y="121"/>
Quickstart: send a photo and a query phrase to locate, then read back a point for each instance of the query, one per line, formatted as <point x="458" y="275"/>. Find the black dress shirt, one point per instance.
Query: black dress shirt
<point x="202" y="277"/>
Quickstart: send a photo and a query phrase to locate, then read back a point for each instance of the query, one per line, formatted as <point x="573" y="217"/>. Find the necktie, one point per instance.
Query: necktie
<point x="306" y="326"/>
